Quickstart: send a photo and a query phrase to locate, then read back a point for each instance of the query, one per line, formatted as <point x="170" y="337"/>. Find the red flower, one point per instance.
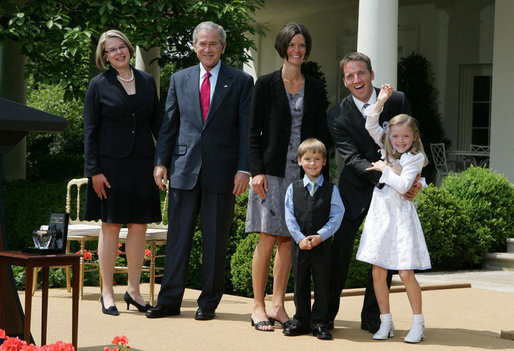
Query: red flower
<point x="148" y="253"/>
<point x="120" y="340"/>
<point x="87" y="255"/>
<point x="13" y="344"/>
<point x="59" y="346"/>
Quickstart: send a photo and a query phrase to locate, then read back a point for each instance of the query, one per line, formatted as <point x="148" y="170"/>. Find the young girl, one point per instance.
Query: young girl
<point x="392" y="237"/>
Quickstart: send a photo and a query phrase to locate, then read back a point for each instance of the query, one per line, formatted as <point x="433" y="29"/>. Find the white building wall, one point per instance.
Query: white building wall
<point x="451" y="34"/>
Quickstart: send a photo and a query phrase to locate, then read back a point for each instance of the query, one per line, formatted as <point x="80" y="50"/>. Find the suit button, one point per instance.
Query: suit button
<point x="133" y="114"/>
<point x="133" y="131"/>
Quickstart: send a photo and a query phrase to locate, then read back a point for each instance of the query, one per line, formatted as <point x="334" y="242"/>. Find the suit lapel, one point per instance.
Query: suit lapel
<point x="354" y="114"/>
<point x="118" y="88"/>
<point x="223" y="86"/>
<point x="192" y="85"/>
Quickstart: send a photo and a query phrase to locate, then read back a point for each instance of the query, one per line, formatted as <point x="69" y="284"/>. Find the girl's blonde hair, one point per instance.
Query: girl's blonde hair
<point x="101" y="59"/>
<point x="417" y="145"/>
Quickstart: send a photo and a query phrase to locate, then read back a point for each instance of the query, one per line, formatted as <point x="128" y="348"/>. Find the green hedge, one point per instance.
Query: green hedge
<point x="28" y="205"/>
<point x="469" y="215"/>
<point x="488" y="198"/>
<point x="451" y="240"/>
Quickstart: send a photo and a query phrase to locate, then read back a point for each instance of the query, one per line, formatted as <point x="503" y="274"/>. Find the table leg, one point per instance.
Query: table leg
<point x="82" y="249"/>
<point x="44" y="309"/>
<point x="152" y="272"/>
<point x="29" y="272"/>
<point x="75" y="308"/>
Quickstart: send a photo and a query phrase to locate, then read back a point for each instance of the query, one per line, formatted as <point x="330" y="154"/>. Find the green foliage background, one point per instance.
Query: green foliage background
<point x="59" y="38"/>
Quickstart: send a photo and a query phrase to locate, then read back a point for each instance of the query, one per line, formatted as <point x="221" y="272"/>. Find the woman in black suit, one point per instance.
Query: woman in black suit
<point x="287" y="108"/>
<point x="121" y="120"/>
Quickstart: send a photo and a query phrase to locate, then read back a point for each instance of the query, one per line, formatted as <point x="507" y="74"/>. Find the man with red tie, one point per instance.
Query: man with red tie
<point x="203" y="142"/>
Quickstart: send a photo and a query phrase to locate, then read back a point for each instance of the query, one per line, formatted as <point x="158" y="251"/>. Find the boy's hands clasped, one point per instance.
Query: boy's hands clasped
<point x="310" y="242"/>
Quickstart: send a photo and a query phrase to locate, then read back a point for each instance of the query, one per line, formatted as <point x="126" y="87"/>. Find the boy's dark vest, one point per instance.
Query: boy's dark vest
<point x="311" y="212"/>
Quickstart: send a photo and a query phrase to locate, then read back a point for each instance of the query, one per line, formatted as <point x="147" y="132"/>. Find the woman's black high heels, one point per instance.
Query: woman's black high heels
<point x="130" y="301"/>
<point x="112" y="310"/>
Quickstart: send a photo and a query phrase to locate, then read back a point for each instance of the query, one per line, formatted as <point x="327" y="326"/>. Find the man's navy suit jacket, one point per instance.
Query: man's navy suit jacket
<point x="215" y="150"/>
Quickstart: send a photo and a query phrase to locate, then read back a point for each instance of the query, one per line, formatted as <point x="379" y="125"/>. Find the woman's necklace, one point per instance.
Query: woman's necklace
<point x="127" y="80"/>
<point x="292" y="82"/>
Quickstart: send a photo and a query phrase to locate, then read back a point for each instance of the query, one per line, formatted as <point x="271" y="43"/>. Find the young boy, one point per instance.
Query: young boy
<point x="313" y="212"/>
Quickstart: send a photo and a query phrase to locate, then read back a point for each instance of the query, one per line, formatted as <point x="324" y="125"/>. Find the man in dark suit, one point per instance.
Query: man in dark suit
<point x="204" y="142"/>
<point x="357" y="149"/>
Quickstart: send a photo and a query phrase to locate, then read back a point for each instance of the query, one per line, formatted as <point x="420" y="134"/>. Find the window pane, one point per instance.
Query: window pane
<point x="481" y="88"/>
<point x="481" y="114"/>
<point x="480" y="136"/>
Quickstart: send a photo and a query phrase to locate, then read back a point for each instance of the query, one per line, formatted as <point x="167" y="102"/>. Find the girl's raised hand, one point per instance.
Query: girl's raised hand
<point x="385" y="93"/>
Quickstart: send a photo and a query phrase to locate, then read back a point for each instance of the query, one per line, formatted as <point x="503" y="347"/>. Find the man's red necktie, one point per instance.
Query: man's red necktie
<point x="205" y="96"/>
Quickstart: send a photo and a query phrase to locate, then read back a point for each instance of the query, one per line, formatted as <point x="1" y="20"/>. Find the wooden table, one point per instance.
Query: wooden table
<point x="30" y="261"/>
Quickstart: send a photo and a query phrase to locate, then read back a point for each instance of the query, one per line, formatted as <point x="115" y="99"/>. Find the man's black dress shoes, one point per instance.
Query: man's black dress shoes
<point x="372" y="327"/>
<point x="160" y="311"/>
<point x="330" y="325"/>
<point x="204" y="314"/>
<point x="295" y="330"/>
<point x="321" y="332"/>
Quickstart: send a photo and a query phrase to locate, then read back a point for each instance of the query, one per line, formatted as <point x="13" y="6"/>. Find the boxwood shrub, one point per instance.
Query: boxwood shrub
<point x="452" y="239"/>
<point x="27" y="206"/>
<point x="488" y="198"/>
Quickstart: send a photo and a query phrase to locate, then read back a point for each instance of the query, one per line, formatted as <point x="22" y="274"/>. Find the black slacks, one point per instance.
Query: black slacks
<point x="216" y="211"/>
<point x="316" y="262"/>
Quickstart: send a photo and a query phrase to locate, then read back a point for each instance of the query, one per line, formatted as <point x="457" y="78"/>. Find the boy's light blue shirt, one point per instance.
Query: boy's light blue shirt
<point x="334" y="219"/>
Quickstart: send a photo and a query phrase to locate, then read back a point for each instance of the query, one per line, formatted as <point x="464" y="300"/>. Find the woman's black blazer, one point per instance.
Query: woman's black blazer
<point x="270" y="122"/>
<point x="115" y="124"/>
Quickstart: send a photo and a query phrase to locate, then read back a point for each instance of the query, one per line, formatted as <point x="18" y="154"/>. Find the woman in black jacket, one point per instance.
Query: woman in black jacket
<point x="287" y="108"/>
<point x="121" y="120"/>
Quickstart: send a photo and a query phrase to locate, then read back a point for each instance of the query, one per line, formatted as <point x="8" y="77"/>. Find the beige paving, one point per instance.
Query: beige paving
<point x="456" y="319"/>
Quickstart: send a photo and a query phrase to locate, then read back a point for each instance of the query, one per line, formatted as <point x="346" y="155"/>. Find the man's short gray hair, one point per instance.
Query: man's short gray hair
<point x="208" y="26"/>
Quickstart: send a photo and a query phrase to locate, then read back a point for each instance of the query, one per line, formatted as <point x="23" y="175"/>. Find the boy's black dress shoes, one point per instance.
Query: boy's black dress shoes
<point x="321" y="332"/>
<point x="204" y="314"/>
<point x="160" y="311"/>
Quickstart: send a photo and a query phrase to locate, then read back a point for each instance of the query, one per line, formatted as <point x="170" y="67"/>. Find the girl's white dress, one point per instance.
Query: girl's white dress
<point x="392" y="236"/>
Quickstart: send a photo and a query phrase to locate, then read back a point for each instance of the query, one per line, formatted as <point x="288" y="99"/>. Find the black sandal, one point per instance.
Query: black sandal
<point x="284" y="325"/>
<point x="260" y="324"/>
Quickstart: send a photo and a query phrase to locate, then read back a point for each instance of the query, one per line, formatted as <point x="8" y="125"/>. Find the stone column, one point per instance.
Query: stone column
<point x="144" y="63"/>
<point x="502" y="104"/>
<point x="13" y="86"/>
<point x="378" y="38"/>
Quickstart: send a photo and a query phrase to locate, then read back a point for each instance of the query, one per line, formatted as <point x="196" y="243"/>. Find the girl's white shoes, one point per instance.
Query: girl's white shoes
<point x="416" y="331"/>
<point x="386" y="329"/>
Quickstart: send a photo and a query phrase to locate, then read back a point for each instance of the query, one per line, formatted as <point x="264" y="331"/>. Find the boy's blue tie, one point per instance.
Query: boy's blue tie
<point x="313" y="189"/>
